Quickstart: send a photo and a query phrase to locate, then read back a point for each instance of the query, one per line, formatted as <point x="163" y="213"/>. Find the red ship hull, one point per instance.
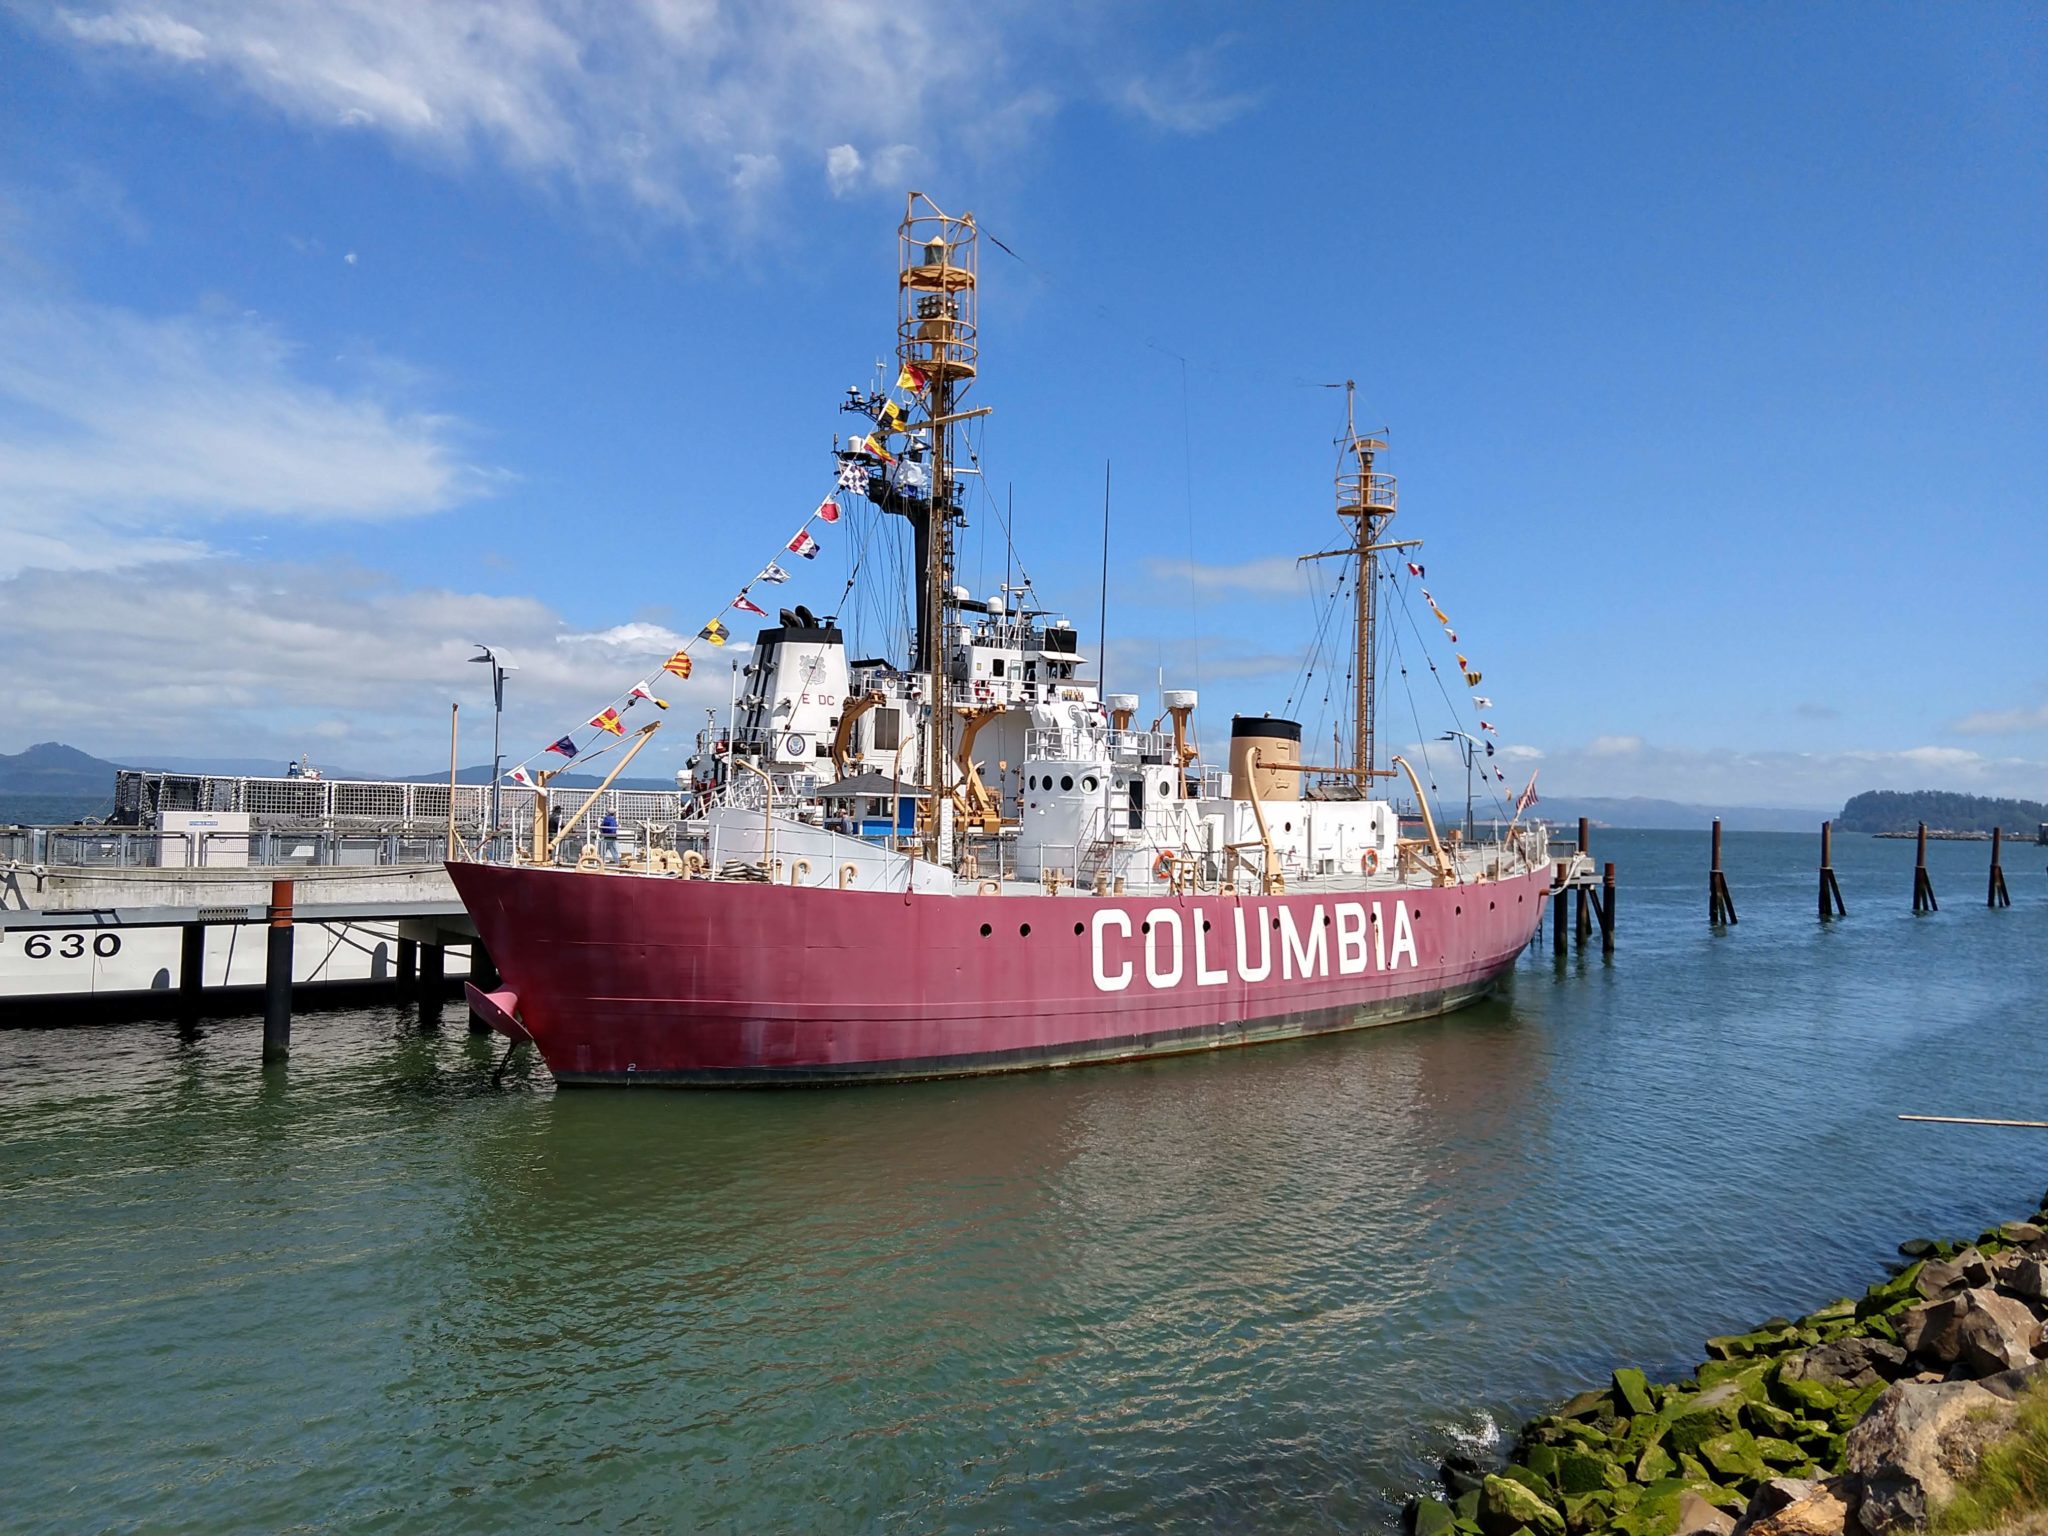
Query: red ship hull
<point x="628" y="979"/>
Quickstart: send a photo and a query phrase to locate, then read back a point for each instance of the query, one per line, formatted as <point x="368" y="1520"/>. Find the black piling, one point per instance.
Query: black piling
<point x="191" y="963"/>
<point x="277" y="975"/>
<point x="1999" y="896"/>
<point x="484" y="972"/>
<point x="1560" y="914"/>
<point x="1720" y="905"/>
<point x="408" y="967"/>
<point x="433" y="982"/>
<point x="1830" y="891"/>
<point x="1607" y="909"/>
<point x="1923" y="888"/>
<point x="1583" y="928"/>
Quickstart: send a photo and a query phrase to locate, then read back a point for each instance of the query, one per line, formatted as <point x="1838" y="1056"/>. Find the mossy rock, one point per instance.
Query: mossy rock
<point x="1733" y="1457"/>
<point x="1780" y="1454"/>
<point x="1506" y="1505"/>
<point x="1856" y="1404"/>
<point x="1642" y="1430"/>
<point x="1430" y="1517"/>
<point x="1587" y="1405"/>
<point x="1810" y="1398"/>
<point x="1655" y="1463"/>
<point x="1764" y="1417"/>
<point x="1833" y="1312"/>
<point x="1588" y="1435"/>
<point x="1632" y="1390"/>
<point x="1466" y="1507"/>
<point x="1656" y="1512"/>
<point x="1587" y="1512"/>
<point x="1530" y="1479"/>
<point x="1744" y="1378"/>
<point x="1542" y="1460"/>
<point x="1580" y="1473"/>
<point x="1886" y="1292"/>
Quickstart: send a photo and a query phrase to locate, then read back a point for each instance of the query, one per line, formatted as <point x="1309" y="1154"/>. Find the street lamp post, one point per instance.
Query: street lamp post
<point x="499" y="667"/>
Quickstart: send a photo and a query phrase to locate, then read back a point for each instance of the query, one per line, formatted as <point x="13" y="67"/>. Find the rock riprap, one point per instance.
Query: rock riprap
<point x="1857" y="1416"/>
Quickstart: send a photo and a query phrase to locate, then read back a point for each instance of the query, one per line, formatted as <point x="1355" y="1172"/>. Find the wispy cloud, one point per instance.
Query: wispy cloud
<point x="1187" y="95"/>
<point x="122" y="436"/>
<point x="684" y="106"/>
<point x="2003" y="722"/>
<point x="266" y="656"/>
<point x="1269" y="574"/>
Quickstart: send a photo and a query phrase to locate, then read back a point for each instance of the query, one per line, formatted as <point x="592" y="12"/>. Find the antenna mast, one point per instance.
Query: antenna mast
<point x="937" y="314"/>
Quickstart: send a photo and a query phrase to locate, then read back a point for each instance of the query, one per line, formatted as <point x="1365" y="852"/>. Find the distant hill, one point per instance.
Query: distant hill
<point x="1891" y="810"/>
<point x="1637" y="811"/>
<point x="51" y="768"/>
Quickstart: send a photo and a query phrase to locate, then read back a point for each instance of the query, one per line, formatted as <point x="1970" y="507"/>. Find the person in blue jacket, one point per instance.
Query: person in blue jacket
<point x="608" y="838"/>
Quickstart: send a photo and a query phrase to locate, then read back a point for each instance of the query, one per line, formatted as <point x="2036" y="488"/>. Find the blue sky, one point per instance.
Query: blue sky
<point x="1710" y="342"/>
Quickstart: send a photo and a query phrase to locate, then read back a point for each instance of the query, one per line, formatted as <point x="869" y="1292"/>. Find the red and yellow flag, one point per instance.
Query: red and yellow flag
<point x="609" y="721"/>
<point x="678" y="664"/>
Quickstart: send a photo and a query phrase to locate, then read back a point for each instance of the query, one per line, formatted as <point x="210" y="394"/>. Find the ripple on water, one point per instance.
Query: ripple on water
<point x="379" y="1289"/>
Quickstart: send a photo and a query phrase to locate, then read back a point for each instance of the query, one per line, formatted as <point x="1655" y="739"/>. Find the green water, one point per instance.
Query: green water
<point x="375" y="1290"/>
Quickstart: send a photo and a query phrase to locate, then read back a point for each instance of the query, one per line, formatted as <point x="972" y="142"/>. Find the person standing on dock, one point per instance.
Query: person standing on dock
<point x="608" y="838"/>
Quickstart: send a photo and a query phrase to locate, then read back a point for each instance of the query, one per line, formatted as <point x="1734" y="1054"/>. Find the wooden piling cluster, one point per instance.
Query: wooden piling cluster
<point x="1720" y="908"/>
<point x="1830" y="889"/>
<point x="1923" y="888"/>
<point x="1720" y="905"/>
<point x="1593" y="906"/>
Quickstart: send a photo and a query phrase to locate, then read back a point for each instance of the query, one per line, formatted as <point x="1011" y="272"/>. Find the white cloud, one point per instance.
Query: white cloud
<point x="679" y="104"/>
<point x="1269" y="574"/>
<point x="1614" y="746"/>
<point x="118" y="432"/>
<point x="842" y="168"/>
<point x="257" y="659"/>
<point x="2003" y="722"/>
<point x="1185" y="96"/>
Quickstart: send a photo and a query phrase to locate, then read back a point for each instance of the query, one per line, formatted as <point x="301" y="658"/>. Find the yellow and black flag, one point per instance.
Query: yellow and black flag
<point x="715" y="632"/>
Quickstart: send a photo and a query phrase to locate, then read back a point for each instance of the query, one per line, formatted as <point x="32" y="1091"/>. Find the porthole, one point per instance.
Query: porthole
<point x="1023" y="930"/>
<point x="1079" y="929"/>
<point x="1326" y="919"/>
<point x="1144" y="927"/>
<point x="1066" y="781"/>
<point x="1276" y="922"/>
<point x="986" y="930"/>
<point x="1091" y="784"/>
<point x="1205" y="925"/>
<point x="1457" y="911"/>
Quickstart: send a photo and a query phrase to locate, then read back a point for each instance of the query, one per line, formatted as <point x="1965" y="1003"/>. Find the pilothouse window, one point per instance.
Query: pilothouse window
<point x="888" y="729"/>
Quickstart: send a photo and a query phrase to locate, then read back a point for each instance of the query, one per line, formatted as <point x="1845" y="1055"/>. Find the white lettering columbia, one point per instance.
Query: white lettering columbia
<point x="1305" y="944"/>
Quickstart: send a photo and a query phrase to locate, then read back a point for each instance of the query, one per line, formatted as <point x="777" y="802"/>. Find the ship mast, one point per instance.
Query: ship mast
<point x="937" y="310"/>
<point x="1365" y="500"/>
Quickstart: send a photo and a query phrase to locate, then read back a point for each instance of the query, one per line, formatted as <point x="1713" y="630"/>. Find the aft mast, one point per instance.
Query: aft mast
<point x="938" y="303"/>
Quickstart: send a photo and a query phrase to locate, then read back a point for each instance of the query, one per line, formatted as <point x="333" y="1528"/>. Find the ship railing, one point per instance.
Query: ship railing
<point x="270" y="847"/>
<point x="1048" y="743"/>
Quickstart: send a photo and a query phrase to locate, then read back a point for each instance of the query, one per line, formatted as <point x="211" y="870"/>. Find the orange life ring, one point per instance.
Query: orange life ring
<point x="1370" y="864"/>
<point x="1162" y="867"/>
